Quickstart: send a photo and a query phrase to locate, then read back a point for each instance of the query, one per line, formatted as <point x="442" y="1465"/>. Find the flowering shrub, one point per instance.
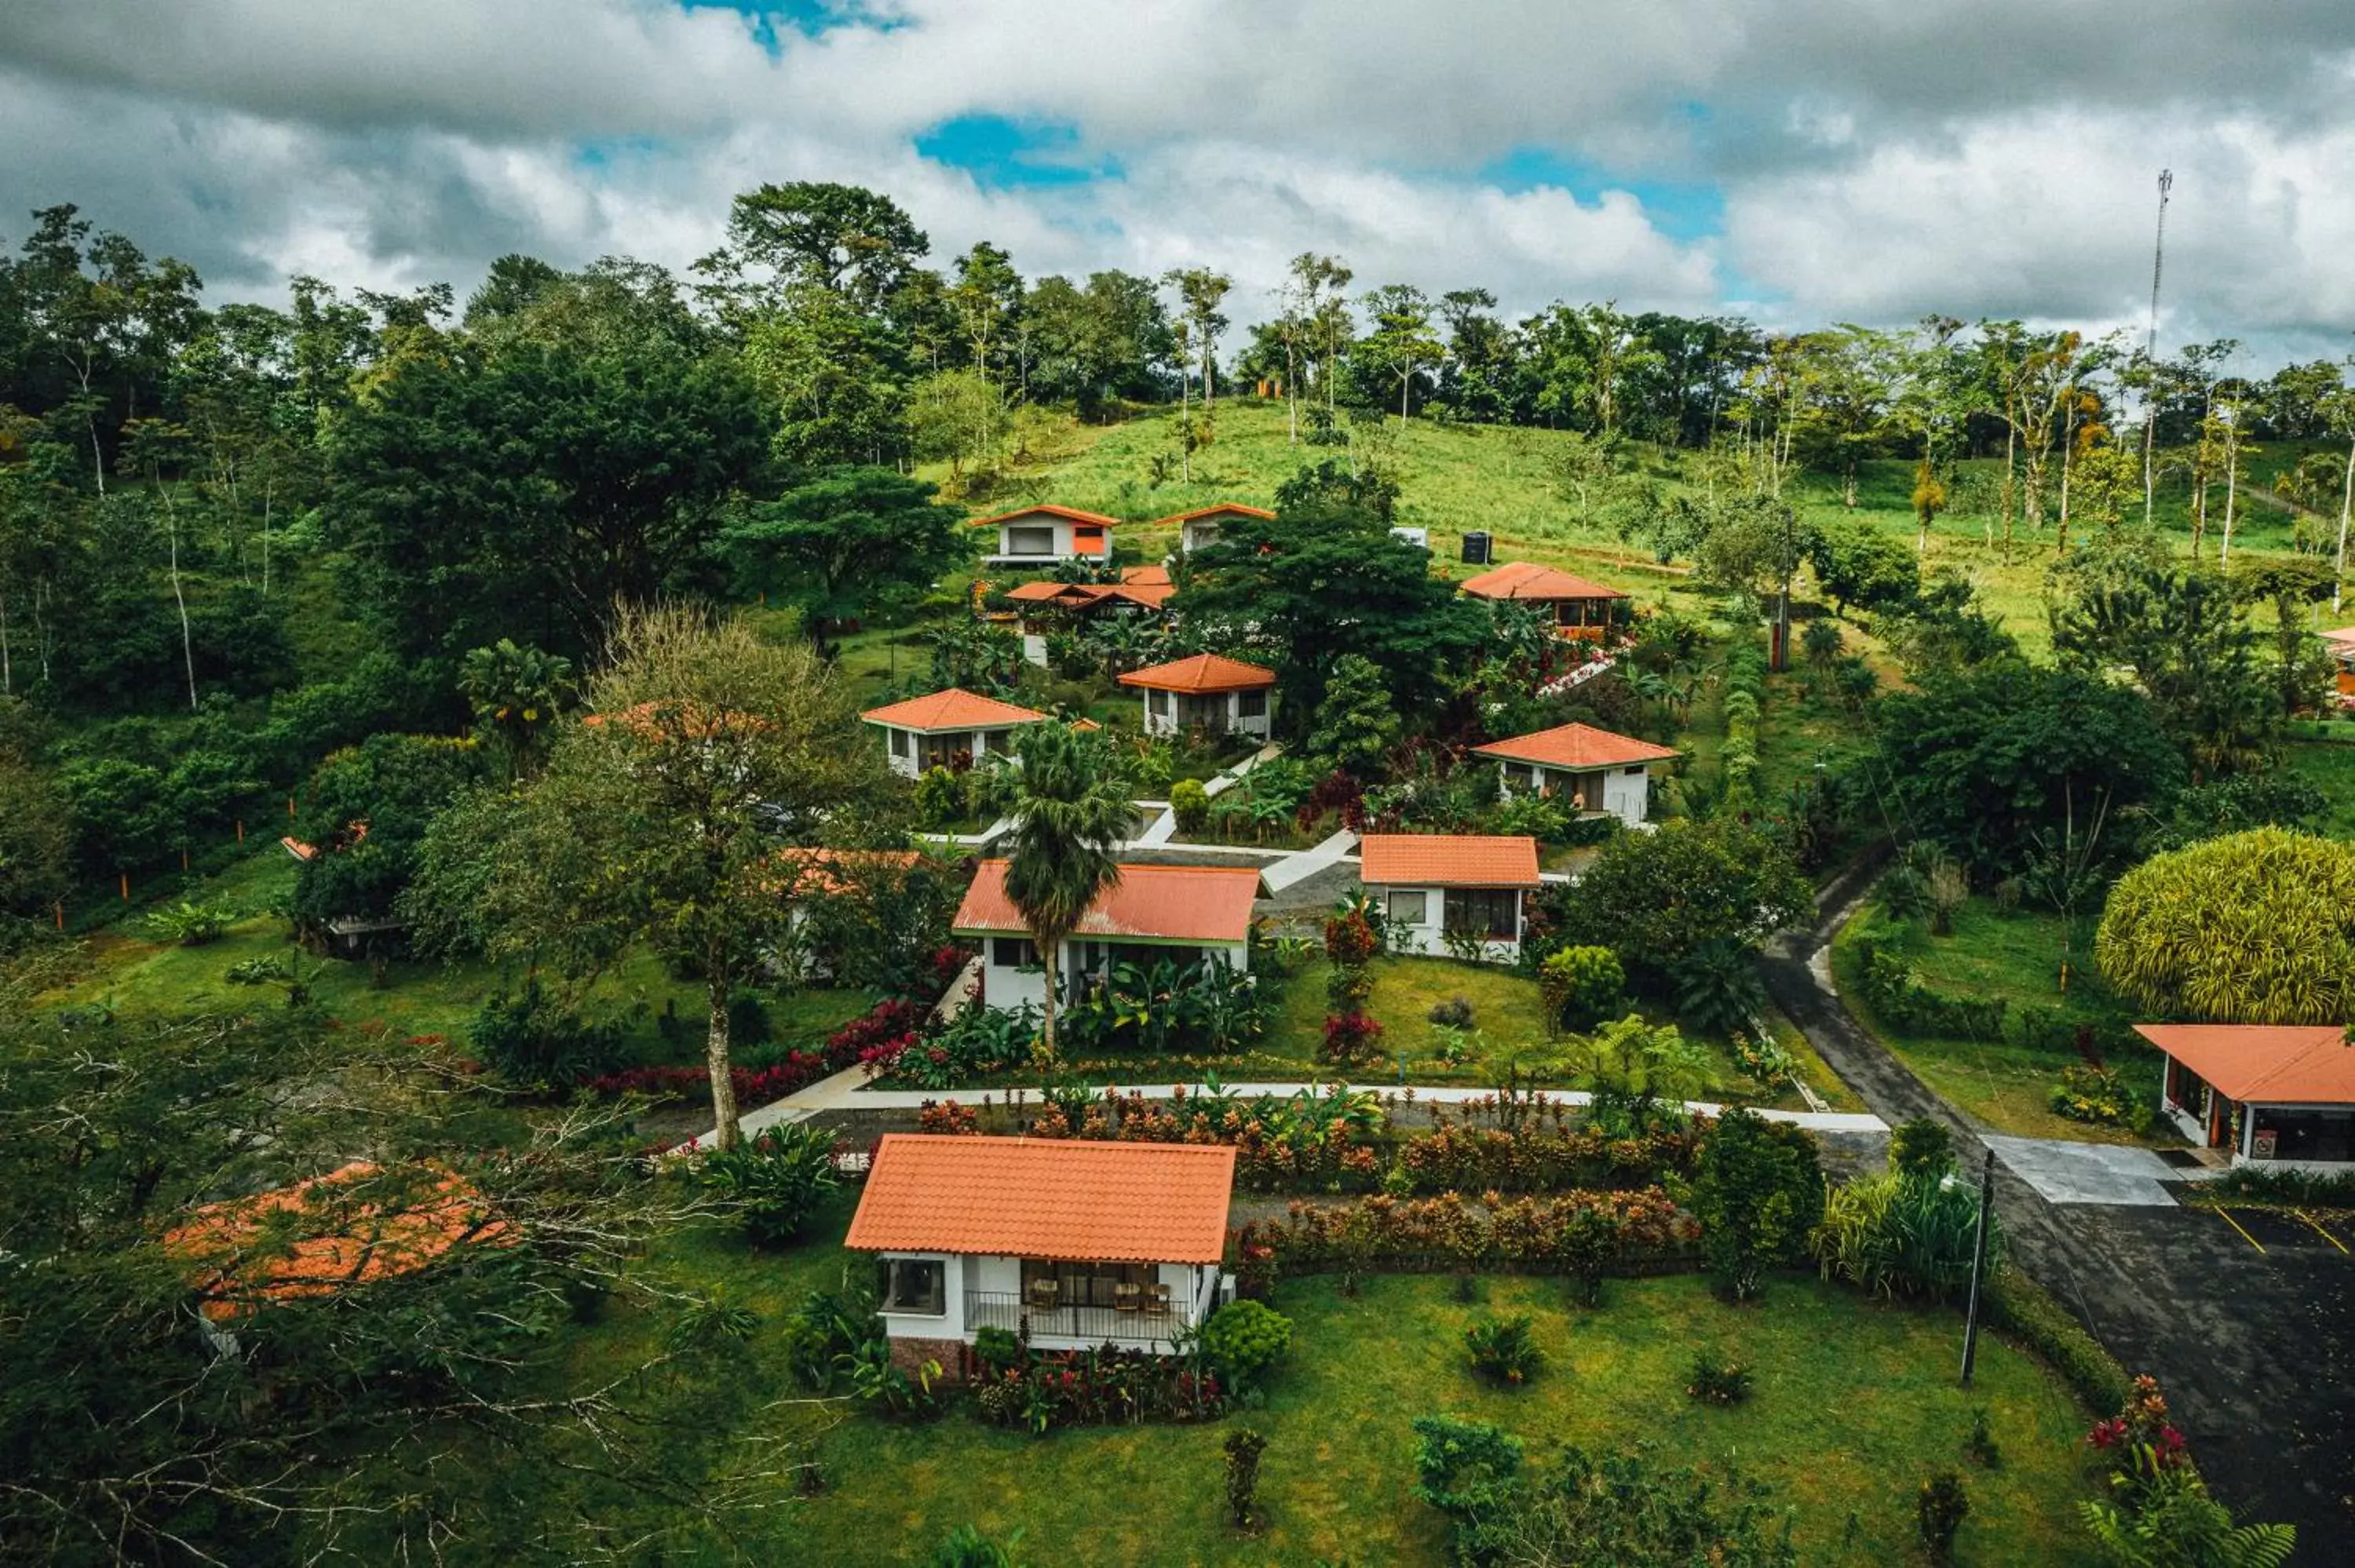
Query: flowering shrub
<point x="2139" y="1439"/>
<point x="1350" y="1037"/>
<point x="2094" y="1094"/>
<point x="1086" y="1388"/>
<point x="876" y="1037"/>
<point x="948" y="1117"/>
<point x="1502" y="1349"/>
<point x="1457" y="1159"/>
<point x="1444" y="1233"/>
<point x="1350" y="940"/>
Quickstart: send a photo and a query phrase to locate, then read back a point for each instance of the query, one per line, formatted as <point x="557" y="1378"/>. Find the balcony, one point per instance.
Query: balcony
<point x="1152" y="1321"/>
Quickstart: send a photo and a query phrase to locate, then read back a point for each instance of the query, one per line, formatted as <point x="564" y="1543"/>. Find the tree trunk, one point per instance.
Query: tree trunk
<point x="266" y="491"/>
<point x="1048" y="953"/>
<point x="2149" y="424"/>
<point x="188" y="651"/>
<point x="2346" y="503"/>
<point x="2011" y="481"/>
<point x="1291" y="397"/>
<point x="726" y="1133"/>
<point x="2232" y="492"/>
<point x="2068" y="451"/>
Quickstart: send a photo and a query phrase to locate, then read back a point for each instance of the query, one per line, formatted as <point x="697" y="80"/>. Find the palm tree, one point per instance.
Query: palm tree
<point x="1070" y="814"/>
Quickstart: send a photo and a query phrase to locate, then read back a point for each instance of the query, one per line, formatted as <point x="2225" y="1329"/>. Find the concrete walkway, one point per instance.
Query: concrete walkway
<point x="2087" y="1172"/>
<point x="1304" y="863"/>
<point x="845" y="1091"/>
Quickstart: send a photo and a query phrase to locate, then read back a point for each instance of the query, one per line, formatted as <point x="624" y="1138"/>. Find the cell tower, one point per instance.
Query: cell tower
<point x="2150" y="345"/>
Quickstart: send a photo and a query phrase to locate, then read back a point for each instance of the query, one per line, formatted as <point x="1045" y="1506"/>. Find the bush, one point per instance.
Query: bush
<point x="1243" y="1447"/>
<point x="189" y="924"/>
<point x="1455" y="1013"/>
<point x="1350" y="1037"/>
<point x="824" y="1329"/>
<point x="2018" y="1304"/>
<point x="967" y="1547"/>
<point x="2202" y="932"/>
<point x="941" y="797"/>
<point x="2094" y="1094"/>
<point x="1246" y="1339"/>
<point x="1718" y="988"/>
<point x="1938" y="1511"/>
<point x="776" y="1181"/>
<point x="531" y="1039"/>
<point x="1503" y="1351"/>
<point x="1921" y="1147"/>
<point x="1191" y="804"/>
<point x="1904" y="1236"/>
<point x="1580" y="986"/>
<point x="1758" y="1192"/>
<point x="1713" y="1381"/>
<point x="999" y="1349"/>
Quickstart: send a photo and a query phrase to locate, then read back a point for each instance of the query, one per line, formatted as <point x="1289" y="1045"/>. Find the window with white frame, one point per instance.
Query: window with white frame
<point x="1250" y="704"/>
<point x="916" y="1287"/>
<point x="898" y="743"/>
<point x="1408" y="906"/>
<point x="1158" y="702"/>
<point x="1014" y="953"/>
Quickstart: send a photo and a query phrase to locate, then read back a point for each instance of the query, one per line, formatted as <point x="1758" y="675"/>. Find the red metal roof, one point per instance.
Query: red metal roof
<point x="2265" y="1062"/>
<point x="1062" y="1199"/>
<point x="1576" y="746"/>
<point x="1202" y="673"/>
<point x="1164" y="902"/>
<point x="1528" y="580"/>
<point x="1068" y="513"/>
<point x="951" y="710"/>
<point x="1448" y="859"/>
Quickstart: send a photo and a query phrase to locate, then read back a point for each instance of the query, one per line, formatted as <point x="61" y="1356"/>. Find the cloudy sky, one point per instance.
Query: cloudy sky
<point x="1797" y="161"/>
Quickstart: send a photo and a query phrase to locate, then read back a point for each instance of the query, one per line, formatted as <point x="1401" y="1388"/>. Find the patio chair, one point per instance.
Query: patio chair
<point x="1128" y="1298"/>
<point x="1159" y="1295"/>
<point x="1046" y="1295"/>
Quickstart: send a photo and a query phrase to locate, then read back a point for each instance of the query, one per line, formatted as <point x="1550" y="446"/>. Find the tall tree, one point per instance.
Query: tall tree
<point x="1402" y="344"/>
<point x="1070" y="814"/>
<point x="1201" y="291"/>
<point x="853" y="242"/>
<point x="845" y="543"/>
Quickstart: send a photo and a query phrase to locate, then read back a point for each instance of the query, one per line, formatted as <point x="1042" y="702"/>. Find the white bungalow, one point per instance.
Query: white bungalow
<point x="1069" y="1243"/>
<point x="955" y="728"/>
<point x="1200" y="529"/>
<point x="2279" y="1096"/>
<point x="1142" y="590"/>
<point x="1582" y="610"/>
<point x="1595" y="769"/>
<point x="1189" y="913"/>
<point x="1433" y="887"/>
<point x="1042" y="536"/>
<point x="1207" y="691"/>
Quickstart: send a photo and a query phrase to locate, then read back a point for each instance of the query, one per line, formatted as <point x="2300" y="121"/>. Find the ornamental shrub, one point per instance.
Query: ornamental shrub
<point x="967" y="1547"/>
<point x="1580" y="986"/>
<point x="1758" y="1192"/>
<point x="530" y="1038"/>
<point x="1503" y="1351"/>
<point x="1713" y="1381"/>
<point x="1939" y="1509"/>
<point x="1922" y="1147"/>
<point x="2239" y="929"/>
<point x="1350" y="1037"/>
<point x="1243" y="1447"/>
<point x="2094" y="1094"/>
<point x="1190" y="804"/>
<point x="1244" y="1339"/>
<point x="189" y="924"/>
<point x="776" y="1181"/>
<point x="1904" y="1236"/>
<point x="941" y="797"/>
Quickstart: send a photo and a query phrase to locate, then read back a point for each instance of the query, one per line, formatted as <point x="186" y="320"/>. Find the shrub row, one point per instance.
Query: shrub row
<point x="870" y="1032"/>
<point x="1644" y="1229"/>
<point x="1891" y="989"/>
<point x="2021" y="1307"/>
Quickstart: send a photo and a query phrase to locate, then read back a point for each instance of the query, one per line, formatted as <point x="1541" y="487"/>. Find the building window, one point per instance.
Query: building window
<point x="1014" y="953"/>
<point x="1029" y="541"/>
<point x="917" y="1286"/>
<point x="1490" y="912"/>
<point x="1160" y="703"/>
<point x="1636" y="772"/>
<point x="1409" y="907"/>
<point x="898" y="743"/>
<point x="1250" y="704"/>
<point x="1521" y="775"/>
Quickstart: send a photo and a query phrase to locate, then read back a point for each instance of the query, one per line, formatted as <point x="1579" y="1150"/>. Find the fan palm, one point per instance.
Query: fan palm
<point x="1071" y="815"/>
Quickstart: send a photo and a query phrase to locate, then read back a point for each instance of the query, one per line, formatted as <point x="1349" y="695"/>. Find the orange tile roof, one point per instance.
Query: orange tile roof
<point x="2266" y="1063"/>
<point x="952" y="709"/>
<point x="1448" y="859"/>
<point x="825" y="872"/>
<point x="1068" y="513"/>
<point x="1166" y="903"/>
<point x="2344" y="636"/>
<point x="303" y="1239"/>
<point x="1576" y="746"/>
<point x="1526" y="579"/>
<point x="1202" y="673"/>
<point x="1084" y="596"/>
<point x="1224" y="508"/>
<point x="1047" y="591"/>
<point x="1146" y="577"/>
<point x="1055" y="1199"/>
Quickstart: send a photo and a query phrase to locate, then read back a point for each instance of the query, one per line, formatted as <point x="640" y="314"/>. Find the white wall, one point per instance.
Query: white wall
<point x="949" y="1324"/>
<point x="1175" y="718"/>
<point x="1429" y="935"/>
<point x="1626" y="791"/>
<point x="1005" y="987"/>
<point x="1063" y="531"/>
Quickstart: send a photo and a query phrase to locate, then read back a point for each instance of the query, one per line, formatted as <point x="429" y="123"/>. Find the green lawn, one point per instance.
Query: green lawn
<point x="1856" y="1402"/>
<point x="130" y="974"/>
<point x="2014" y="956"/>
<point x="2324" y="755"/>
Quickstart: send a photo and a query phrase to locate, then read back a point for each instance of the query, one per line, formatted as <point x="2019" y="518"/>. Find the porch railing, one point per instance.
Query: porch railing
<point x="1150" y="1321"/>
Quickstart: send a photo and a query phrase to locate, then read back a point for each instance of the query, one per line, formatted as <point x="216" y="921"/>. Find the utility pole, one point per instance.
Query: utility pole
<point x="1978" y="1268"/>
<point x="2150" y="344"/>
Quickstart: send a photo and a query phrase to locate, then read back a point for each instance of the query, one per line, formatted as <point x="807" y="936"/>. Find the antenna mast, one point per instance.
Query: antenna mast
<point x="2150" y="345"/>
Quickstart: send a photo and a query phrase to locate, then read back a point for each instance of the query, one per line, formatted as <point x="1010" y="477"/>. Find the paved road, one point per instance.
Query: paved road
<point x="2255" y="1343"/>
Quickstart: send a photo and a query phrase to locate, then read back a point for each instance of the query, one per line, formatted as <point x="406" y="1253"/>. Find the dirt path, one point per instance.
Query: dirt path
<point x="2255" y="1348"/>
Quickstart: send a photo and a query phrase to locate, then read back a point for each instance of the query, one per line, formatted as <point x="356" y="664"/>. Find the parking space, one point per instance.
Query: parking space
<point x="2270" y="1230"/>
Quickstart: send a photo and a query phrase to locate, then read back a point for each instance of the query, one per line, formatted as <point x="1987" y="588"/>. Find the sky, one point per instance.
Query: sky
<point x="1799" y="162"/>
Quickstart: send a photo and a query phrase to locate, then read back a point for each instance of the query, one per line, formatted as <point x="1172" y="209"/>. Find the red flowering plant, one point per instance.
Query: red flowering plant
<point x="1350" y="1037"/>
<point x="2141" y="1439"/>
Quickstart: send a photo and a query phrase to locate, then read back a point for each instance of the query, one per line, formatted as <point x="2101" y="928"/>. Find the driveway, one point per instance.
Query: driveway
<point x="2247" y="1318"/>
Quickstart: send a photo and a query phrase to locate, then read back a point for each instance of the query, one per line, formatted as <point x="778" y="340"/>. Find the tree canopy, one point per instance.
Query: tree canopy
<point x="846" y="542"/>
<point x="2251" y="927"/>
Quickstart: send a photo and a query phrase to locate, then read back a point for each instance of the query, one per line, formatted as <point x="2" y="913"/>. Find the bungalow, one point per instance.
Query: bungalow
<point x="1190" y="914"/>
<point x="1041" y="536"/>
<point x="1206" y="691"/>
<point x="2341" y="645"/>
<point x="1069" y="1243"/>
<point x="803" y="877"/>
<point x="1580" y="609"/>
<point x="953" y="729"/>
<point x="1142" y="590"/>
<point x="2276" y="1094"/>
<point x="1597" y="770"/>
<point x="1442" y="894"/>
<point x="1199" y="529"/>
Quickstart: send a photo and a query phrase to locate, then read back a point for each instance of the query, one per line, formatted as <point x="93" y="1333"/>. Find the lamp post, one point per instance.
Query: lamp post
<point x="1978" y="1266"/>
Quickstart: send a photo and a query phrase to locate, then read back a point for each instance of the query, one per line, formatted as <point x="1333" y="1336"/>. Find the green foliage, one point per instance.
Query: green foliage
<point x="517" y="694"/>
<point x="1070" y="814"/>
<point x="189" y="924"/>
<point x="1718" y="988"/>
<point x="1464" y="1469"/>
<point x="1939" y="1510"/>
<point x="1244" y="1339"/>
<point x="942" y="797"/>
<point x="775" y="1181"/>
<point x="1904" y="1236"/>
<point x="1980" y="1443"/>
<point x="2183" y="633"/>
<point x="1758" y="1192"/>
<point x="367" y="813"/>
<point x="2240" y="929"/>
<point x="1863" y="568"/>
<point x="846" y="542"/>
<point x="2276" y="798"/>
<point x="532" y="1039"/>
<point x="1190" y="804"/>
<point x="1921" y="1147"/>
<point x="2097" y="1095"/>
<point x="2172" y="1522"/>
<point x="1655" y="897"/>
<point x="1889" y="986"/>
<point x="823" y="1332"/>
<point x="1715" y="1381"/>
<point x="1580" y="986"/>
<point x="1242" y="1448"/>
<point x="999" y="1349"/>
<point x="1985" y="762"/>
<point x="1504" y="1349"/>
<point x="2026" y="1308"/>
<point x="35" y="838"/>
<point x="1357" y="722"/>
<point x="967" y="1547"/>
